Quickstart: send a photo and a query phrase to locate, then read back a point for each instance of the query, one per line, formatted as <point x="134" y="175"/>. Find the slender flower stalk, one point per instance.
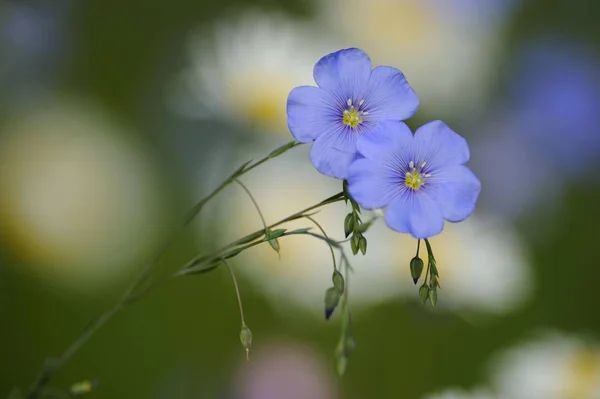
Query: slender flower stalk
<point x="52" y="365"/>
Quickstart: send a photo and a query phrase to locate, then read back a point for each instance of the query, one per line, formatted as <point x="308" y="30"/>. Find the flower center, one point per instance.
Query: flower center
<point x="414" y="178"/>
<point x="352" y="115"/>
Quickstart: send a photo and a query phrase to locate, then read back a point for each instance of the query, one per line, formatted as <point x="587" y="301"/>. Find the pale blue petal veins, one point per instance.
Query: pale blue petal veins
<point x="310" y="113"/>
<point x="368" y="184"/>
<point x="455" y="189"/>
<point x="440" y="146"/>
<point x="389" y="95"/>
<point x="417" y="215"/>
<point x="345" y="73"/>
<point x="333" y="152"/>
<point x="385" y="138"/>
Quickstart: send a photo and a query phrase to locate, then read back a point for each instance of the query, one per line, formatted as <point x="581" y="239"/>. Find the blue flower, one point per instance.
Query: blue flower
<point x="420" y="180"/>
<point x="351" y="100"/>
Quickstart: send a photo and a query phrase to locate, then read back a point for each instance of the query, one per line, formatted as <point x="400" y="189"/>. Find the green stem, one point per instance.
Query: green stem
<point x="53" y="365"/>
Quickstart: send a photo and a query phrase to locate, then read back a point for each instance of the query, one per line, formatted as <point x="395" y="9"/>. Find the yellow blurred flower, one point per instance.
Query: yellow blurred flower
<point x="78" y="201"/>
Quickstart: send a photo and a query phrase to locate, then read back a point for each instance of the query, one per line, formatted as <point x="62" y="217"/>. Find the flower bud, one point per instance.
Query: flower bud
<point x="433" y="296"/>
<point x="338" y="282"/>
<point x="424" y="293"/>
<point x="354" y="244"/>
<point x="332" y="298"/>
<point x="246" y="339"/>
<point x="416" y="268"/>
<point x="348" y="224"/>
<point x="362" y="244"/>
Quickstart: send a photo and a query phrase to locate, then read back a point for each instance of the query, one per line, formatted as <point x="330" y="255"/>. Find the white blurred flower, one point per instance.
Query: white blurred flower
<point x="482" y="265"/>
<point x="448" y="49"/>
<point x="553" y="366"/>
<point x="455" y="393"/>
<point x="78" y="201"/>
<point x="245" y="74"/>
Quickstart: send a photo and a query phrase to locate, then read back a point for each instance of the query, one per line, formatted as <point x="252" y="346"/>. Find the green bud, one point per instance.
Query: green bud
<point x="363" y="227"/>
<point x="416" y="268"/>
<point x="338" y="281"/>
<point x="435" y="281"/>
<point x="424" y="293"/>
<point x="354" y="244"/>
<point x="349" y="344"/>
<point x="433" y="296"/>
<point x="362" y="244"/>
<point x="332" y="299"/>
<point x="348" y="224"/>
<point x="246" y="339"/>
<point x="341" y="362"/>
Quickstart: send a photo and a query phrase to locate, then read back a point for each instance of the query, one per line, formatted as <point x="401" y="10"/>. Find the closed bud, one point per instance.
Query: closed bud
<point x="246" y="339"/>
<point x="433" y="296"/>
<point x="332" y="298"/>
<point x="341" y="362"/>
<point x="348" y="224"/>
<point x="338" y="281"/>
<point x="416" y="268"/>
<point x="354" y="244"/>
<point x="362" y="245"/>
<point x="424" y="293"/>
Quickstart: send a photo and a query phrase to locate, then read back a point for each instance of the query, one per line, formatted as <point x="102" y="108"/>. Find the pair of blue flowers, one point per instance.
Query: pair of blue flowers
<point x="355" y="117"/>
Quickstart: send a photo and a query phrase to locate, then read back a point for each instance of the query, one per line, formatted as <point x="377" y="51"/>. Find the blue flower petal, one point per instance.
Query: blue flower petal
<point x="390" y="96"/>
<point x="344" y="73"/>
<point x="386" y="138"/>
<point x="368" y="185"/>
<point x="310" y="113"/>
<point x="455" y="190"/>
<point x="416" y="214"/>
<point x="333" y="152"/>
<point x="437" y="144"/>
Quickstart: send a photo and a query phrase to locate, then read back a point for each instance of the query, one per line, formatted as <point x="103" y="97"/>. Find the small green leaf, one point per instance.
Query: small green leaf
<point x="424" y="293"/>
<point x="338" y="281"/>
<point x="362" y="244"/>
<point x="233" y="253"/>
<point x="200" y="269"/>
<point x="364" y="227"/>
<point x="332" y="299"/>
<point x="239" y="170"/>
<point x="348" y="224"/>
<point x="416" y="268"/>
<point x="280" y="150"/>
<point x="272" y="234"/>
<point x="433" y="296"/>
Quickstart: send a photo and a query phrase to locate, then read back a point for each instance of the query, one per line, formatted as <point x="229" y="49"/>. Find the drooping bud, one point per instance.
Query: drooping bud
<point x="416" y="268"/>
<point x="354" y="244"/>
<point x="433" y="296"/>
<point x="362" y="244"/>
<point x="246" y="339"/>
<point x="338" y="282"/>
<point x="348" y="224"/>
<point x="424" y="293"/>
<point x="332" y="299"/>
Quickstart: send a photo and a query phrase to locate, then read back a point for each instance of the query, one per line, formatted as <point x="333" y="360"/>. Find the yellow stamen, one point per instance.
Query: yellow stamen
<point x="414" y="179"/>
<point x="352" y="117"/>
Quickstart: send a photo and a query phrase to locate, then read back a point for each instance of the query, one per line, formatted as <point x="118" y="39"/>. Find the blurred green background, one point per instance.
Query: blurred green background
<point x="116" y="116"/>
